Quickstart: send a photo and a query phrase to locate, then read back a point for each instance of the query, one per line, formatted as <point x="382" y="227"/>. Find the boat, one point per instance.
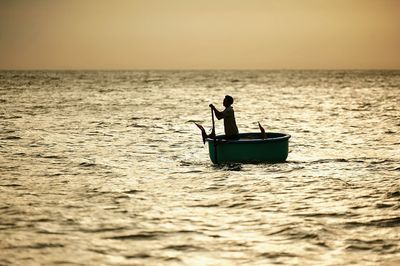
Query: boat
<point x="249" y="148"/>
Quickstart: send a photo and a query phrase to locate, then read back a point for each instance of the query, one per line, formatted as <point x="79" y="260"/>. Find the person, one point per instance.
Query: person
<point x="230" y="127"/>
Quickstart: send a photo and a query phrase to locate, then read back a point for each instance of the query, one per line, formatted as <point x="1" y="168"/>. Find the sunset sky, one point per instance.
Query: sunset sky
<point x="200" y="34"/>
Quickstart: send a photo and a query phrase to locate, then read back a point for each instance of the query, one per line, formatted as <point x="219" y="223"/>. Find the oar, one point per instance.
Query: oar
<point x="214" y="136"/>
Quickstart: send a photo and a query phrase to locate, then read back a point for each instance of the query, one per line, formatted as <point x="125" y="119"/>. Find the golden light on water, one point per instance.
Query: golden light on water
<point x="107" y="167"/>
<point x="206" y="34"/>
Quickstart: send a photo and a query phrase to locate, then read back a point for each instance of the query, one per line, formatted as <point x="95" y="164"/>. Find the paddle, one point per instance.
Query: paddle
<point x="214" y="136"/>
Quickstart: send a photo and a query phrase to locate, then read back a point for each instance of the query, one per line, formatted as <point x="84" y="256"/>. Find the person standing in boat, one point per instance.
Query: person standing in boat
<point x="231" y="129"/>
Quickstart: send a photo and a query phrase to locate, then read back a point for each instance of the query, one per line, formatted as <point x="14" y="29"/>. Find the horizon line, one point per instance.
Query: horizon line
<point x="200" y="69"/>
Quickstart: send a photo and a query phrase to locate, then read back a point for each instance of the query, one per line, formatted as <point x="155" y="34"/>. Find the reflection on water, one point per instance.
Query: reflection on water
<point x="108" y="168"/>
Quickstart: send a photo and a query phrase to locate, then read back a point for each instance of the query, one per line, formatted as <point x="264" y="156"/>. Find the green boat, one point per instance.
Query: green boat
<point x="249" y="148"/>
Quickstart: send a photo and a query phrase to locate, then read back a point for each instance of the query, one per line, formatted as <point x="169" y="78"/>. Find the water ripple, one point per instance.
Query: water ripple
<point x="106" y="167"/>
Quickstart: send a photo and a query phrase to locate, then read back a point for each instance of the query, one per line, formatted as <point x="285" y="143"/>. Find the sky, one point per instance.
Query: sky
<point x="200" y="34"/>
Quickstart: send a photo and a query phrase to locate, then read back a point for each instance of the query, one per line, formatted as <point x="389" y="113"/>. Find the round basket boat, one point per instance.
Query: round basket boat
<point x="249" y="148"/>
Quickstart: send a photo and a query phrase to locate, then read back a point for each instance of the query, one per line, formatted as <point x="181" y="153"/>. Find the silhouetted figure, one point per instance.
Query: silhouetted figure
<point x="231" y="130"/>
<point x="230" y="127"/>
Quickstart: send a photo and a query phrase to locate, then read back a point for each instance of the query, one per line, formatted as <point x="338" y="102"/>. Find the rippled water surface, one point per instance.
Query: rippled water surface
<point x="108" y="168"/>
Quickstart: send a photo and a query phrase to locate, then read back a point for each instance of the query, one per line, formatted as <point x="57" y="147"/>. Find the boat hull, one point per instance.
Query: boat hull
<point x="249" y="148"/>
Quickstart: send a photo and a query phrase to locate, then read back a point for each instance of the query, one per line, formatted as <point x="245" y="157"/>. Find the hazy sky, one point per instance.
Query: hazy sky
<point x="199" y="34"/>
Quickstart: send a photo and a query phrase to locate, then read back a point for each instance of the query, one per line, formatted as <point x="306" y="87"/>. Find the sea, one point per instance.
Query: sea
<point x="108" y="168"/>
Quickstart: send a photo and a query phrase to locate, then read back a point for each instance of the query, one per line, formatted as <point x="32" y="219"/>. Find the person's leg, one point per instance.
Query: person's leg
<point x="232" y="137"/>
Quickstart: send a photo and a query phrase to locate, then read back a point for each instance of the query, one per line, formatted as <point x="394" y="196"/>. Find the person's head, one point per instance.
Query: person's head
<point x="228" y="101"/>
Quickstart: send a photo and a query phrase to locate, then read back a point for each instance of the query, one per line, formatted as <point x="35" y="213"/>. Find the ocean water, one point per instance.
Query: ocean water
<point x="108" y="168"/>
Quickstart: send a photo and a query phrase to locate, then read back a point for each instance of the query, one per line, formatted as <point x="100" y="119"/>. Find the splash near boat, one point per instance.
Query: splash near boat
<point x="249" y="148"/>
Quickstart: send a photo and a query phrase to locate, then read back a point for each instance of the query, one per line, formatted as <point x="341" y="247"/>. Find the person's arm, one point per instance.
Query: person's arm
<point x="218" y="114"/>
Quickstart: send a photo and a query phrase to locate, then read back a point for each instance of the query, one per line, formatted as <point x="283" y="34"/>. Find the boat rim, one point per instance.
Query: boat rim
<point x="276" y="137"/>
